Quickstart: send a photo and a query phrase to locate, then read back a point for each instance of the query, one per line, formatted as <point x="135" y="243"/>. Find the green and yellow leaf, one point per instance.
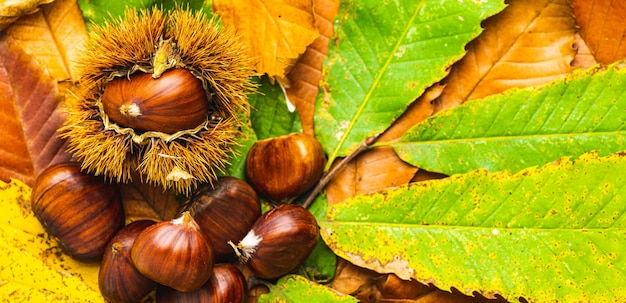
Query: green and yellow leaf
<point x="550" y="234"/>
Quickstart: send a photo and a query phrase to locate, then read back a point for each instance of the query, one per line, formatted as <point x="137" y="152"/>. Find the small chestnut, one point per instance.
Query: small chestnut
<point x="174" y="253"/>
<point x="284" y="167"/>
<point x="118" y="279"/>
<point x="176" y="101"/>
<point x="279" y="241"/>
<point x="226" y="285"/>
<point x="224" y="212"/>
<point x="80" y="210"/>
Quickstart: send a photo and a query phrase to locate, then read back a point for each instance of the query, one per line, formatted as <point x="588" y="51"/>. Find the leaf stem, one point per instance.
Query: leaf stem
<point x="363" y="146"/>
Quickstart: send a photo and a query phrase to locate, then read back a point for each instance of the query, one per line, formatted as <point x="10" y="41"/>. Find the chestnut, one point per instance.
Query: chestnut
<point x="279" y="241"/>
<point x="80" y="210"/>
<point x="225" y="212"/>
<point x="226" y="285"/>
<point x="174" y="102"/>
<point x="174" y="253"/>
<point x="118" y="279"/>
<point x="284" y="167"/>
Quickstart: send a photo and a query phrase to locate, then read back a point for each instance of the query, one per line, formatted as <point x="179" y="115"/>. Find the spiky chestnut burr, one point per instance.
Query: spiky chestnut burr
<point x="167" y="141"/>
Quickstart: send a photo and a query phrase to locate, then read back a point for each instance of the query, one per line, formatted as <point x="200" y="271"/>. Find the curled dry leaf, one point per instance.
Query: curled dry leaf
<point x="602" y="26"/>
<point x="276" y="32"/>
<point x="528" y="43"/>
<point x="30" y="116"/>
<point x="306" y="74"/>
<point x="12" y="10"/>
<point x="349" y="277"/>
<point x="53" y="35"/>
<point x="584" y="58"/>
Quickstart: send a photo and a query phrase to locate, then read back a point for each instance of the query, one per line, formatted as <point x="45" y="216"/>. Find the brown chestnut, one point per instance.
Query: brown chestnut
<point x="118" y="279"/>
<point x="279" y="241"/>
<point x="284" y="167"/>
<point x="226" y="285"/>
<point x="176" y="101"/>
<point x="174" y="253"/>
<point x="80" y="210"/>
<point x="225" y="212"/>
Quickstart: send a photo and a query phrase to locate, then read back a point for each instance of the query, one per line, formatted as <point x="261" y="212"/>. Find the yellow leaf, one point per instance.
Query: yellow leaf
<point x="276" y="32"/>
<point x="32" y="267"/>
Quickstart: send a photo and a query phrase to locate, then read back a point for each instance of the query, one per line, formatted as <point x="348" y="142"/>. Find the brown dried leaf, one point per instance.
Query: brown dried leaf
<point x="276" y="32"/>
<point x="528" y="43"/>
<point x="12" y="10"/>
<point x="145" y="201"/>
<point x="306" y="74"/>
<point x="30" y="116"/>
<point x="53" y="36"/>
<point x="603" y="28"/>
<point x="369" y="172"/>
<point x="349" y="277"/>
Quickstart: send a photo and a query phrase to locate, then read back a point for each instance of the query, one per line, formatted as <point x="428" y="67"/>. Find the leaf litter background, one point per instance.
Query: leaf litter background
<point x="531" y="232"/>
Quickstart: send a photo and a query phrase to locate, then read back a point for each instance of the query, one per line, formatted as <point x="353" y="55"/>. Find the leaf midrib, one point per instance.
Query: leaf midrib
<point x="501" y="230"/>
<point x="374" y="85"/>
<point x="501" y="138"/>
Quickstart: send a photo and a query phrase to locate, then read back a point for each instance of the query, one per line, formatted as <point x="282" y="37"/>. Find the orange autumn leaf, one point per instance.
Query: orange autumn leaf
<point x="603" y="28"/>
<point x="528" y="43"/>
<point x="276" y="32"/>
<point x="53" y="36"/>
<point x="369" y="172"/>
<point x="30" y="115"/>
<point x="306" y="74"/>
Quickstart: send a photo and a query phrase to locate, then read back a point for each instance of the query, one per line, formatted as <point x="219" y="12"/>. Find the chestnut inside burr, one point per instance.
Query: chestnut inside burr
<point x="174" y="102"/>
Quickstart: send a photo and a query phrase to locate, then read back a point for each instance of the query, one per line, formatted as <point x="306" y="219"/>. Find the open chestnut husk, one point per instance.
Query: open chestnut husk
<point x="279" y="241"/>
<point x="82" y="211"/>
<point x="225" y="212"/>
<point x="174" y="253"/>
<point x="162" y="96"/>
<point x="284" y="167"/>
<point x="226" y="285"/>
<point x="118" y="279"/>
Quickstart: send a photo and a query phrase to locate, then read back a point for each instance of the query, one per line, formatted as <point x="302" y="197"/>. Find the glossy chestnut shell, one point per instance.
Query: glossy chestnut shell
<point x="279" y="241"/>
<point x="80" y="210"/>
<point x="284" y="167"/>
<point x="225" y="212"/>
<point x="174" y="102"/>
<point x="174" y="253"/>
<point x="226" y="285"/>
<point x="118" y="279"/>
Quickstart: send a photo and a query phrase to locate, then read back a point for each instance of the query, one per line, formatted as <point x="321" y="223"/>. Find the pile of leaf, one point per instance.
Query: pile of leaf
<point x="476" y="147"/>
